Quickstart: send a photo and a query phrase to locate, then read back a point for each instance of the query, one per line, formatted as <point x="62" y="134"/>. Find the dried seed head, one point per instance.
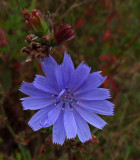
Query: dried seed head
<point x="36" y="51"/>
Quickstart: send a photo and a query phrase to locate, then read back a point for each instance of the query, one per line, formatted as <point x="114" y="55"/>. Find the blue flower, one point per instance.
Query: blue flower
<point x="67" y="99"/>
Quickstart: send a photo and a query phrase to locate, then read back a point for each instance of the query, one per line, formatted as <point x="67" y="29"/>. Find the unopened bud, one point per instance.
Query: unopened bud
<point x="28" y="25"/>
<point x="65" y="33"/>
<point x="29" y="38"/>
<point x="26" y="14"/>
<point x="35" y="21"/>
<point x="47" y="37"/>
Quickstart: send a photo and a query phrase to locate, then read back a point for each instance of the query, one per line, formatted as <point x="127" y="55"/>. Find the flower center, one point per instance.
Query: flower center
<point x="65" y="97"/>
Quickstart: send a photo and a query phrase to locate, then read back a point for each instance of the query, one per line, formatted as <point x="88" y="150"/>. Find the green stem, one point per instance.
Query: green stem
<point x="33" y="4"/>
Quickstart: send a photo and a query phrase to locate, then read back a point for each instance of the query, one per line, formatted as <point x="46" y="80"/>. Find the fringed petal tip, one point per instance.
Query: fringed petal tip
<point x="36" y="76"/>
<point x="98" y="72"/>
<point x="22" y="85"/>
<point x="65" y="53"/>
<point x="32" y="127"/>
<point x="22" y="99"/>
<point x="104" y="78"/>
<point x="24" y="108"/>
<point x="71" y="137"/>
<point x="61" y="144"/>
<point x="86" y="140"/>
<point x="57" y="143"/>
<point x="103" y="126"/>
<point x="112" y="113"/>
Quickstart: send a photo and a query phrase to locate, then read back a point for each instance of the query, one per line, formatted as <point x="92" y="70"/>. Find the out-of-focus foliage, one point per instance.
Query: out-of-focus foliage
<point x="107" y="39"/>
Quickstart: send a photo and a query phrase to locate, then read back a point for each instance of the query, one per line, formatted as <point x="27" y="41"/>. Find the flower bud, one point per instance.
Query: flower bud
<point x="26" y="14"/>
<point x="35" y="21"/>
<point x="47" y="38"/>
<point x="64" y="33"/>
<point x="28" y="25"/>
<point x="29" y="38"/>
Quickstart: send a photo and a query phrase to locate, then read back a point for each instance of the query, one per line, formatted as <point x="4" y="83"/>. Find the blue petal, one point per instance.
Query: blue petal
<point x="31" y="90"/>
<point x="103" y="107"/>
<point x="95" y="94"/>
<point x="34" y="103"/>
<point x="51" y="117"/>
<point x="93" y="81"/>
<point x="48" y="66"/>
<point x="64" y="71"/>
<point x="60" y="74"/>
<point x="83" y="130"/>
<point x="38" y="117"/>
<point x="59" y="133"/>
<point x="70" y="124"/>
<point x="67" y="62"/>
<point x="90" y="117"/>
<point x="45" y="84"/>
<point x="79" y="76"/>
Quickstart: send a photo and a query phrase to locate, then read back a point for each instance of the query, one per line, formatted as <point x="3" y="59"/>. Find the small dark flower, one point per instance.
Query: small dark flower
<point x="64" y="33"/>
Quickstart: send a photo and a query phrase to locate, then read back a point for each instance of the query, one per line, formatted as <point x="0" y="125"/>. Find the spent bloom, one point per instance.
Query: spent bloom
<point x="67" y="99"/>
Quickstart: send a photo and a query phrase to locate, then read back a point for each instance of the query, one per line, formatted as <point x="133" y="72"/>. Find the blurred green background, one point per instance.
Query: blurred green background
<point x="107" y="39"/>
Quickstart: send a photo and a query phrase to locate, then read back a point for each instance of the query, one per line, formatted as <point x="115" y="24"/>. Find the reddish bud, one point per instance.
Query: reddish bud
<point x="29" y="38"/>
<point x="35" y="20"/>
<point x="65" y="33"/>
<point x="26" y="14"/>
<point x="39" y="15"/>
<point x="47" y="37"/>
<point x="34" y="11"/>
<point x="28" y="25"/>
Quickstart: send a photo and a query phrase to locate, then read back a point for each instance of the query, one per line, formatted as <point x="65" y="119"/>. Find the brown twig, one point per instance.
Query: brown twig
<point x="60" y="6"/>
<point x="74" y="6"/>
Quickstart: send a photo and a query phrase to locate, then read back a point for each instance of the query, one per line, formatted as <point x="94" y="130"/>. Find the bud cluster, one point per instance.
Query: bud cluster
<point x="35" y="21"/>
<point x="44" y="33"/>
